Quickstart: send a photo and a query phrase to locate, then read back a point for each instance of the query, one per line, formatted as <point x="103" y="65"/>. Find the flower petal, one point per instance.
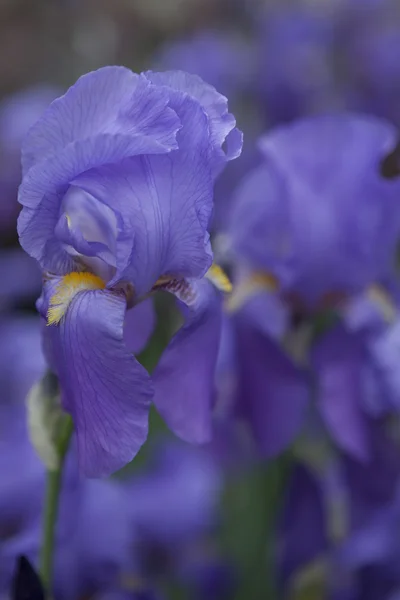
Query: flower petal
<point x="184" y="376"/>
<point x="45" y="184"/>
<point x="215" y="105"/>
<point x="273" y="393"/>
<point x="338" y="360"/>
<point x="166" y="203"/>
<point x="104" y="388"/>
<point x="110" y="100"/>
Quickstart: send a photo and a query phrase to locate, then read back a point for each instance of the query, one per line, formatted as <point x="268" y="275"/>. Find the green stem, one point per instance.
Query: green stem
<point x="250" y="507"/>
<point x="53" y="487"/>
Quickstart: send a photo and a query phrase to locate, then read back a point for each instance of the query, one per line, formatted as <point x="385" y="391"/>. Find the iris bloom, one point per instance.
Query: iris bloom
<point x="117" y="196"/>
<point x="314" y="230"/>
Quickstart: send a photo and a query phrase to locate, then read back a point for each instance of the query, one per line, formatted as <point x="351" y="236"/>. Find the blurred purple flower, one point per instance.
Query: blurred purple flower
<point x="117" y="198"/>
<point x="172" y="535"/>
<point x="99" y="550"/>
<point x="317" y="215"/>
<point x="219" y="58"/>
<point x="17" y="114"/>
<point x="21" y="278"/>
<point x="295" y="73"/>
<point x="375" y="86"/>
<point x="190" y="483"/>
<point x="313" y="230"/>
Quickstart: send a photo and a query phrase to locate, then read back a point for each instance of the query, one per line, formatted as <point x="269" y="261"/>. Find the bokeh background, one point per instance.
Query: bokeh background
<point x="227" y="520"/>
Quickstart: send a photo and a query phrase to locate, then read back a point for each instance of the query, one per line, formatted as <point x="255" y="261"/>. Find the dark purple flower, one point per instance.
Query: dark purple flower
<point x="117" y="198"/>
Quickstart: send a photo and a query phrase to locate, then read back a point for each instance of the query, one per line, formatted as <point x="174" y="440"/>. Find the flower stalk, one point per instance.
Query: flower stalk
<point x="53" y="488"/>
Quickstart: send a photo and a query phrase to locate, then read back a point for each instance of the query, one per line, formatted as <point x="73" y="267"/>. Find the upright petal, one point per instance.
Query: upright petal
<point x="104" y="388"/>
<point x="215" y="105"/>
<point x="273" y="393"/>
<point x="166" y="203"/>
<point x="45" y="184"/>
<point x="184" y="376"/>
<point x="110" y="100"/>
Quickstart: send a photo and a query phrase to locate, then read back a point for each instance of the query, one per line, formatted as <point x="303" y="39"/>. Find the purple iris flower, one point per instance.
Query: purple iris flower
<point x="313" y="230"/>
<point x="17" y="114"/>
<point x="117" y="198"/>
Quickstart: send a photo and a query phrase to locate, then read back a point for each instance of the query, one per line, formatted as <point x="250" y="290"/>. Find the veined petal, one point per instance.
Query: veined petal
<point x="166" y="203"/>
<point x="104" y="388"/>
<point x="110" y="100"/>
<point x="47" y="182"/>
<point x="184" y="376"/>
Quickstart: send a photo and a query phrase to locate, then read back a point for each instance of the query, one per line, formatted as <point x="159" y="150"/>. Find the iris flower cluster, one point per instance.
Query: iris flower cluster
<point x="276" y="280"/>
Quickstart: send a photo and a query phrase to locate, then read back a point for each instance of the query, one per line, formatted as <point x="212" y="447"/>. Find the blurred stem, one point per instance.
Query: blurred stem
<point x="276" y="477"/>
<point x="251" y="511"/>
<point x="53" y="486"/>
